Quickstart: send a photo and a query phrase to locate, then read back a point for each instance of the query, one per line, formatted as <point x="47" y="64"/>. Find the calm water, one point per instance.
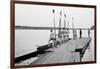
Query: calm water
<point x="27" y="41"/>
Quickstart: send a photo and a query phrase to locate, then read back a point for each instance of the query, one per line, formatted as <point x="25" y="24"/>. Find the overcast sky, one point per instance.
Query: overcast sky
<point x="41" y="15"/>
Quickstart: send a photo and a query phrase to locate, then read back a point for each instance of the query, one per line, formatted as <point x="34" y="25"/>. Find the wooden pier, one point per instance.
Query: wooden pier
<point x="71" y="51"/>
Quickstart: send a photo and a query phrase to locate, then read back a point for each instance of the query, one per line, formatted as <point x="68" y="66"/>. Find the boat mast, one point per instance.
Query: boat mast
<point x="54" y="21"/>
<point x="59" y="25"/>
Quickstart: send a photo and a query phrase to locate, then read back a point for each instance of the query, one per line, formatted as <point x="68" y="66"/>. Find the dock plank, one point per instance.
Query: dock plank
<point x="64" y="53"/>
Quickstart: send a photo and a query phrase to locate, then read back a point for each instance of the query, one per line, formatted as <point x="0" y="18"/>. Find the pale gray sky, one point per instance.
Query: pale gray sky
<point x="41" y="15"/>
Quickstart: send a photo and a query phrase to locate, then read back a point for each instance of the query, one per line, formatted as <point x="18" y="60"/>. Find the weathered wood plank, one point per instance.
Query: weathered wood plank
<point x="64" y="53"/>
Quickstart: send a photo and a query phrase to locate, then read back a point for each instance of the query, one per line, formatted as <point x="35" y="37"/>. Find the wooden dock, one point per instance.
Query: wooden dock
<point x="71" y="51"/>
